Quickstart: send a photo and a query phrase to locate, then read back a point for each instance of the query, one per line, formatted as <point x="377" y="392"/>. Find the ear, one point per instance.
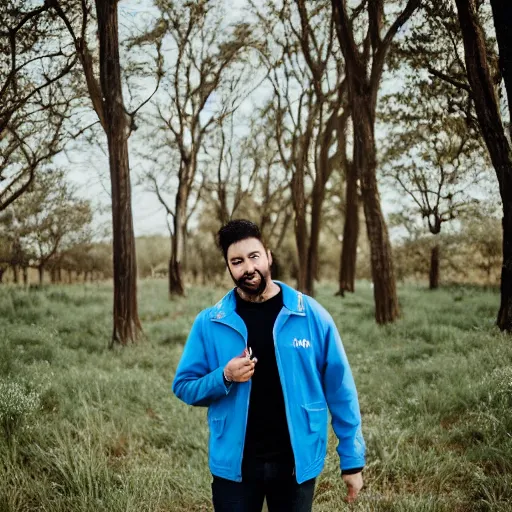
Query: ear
<point x="269" y="256"/>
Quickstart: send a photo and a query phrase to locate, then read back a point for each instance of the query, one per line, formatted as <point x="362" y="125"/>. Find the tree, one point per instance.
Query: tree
<point x="502" y="14"/>
<point x="232" y="169"/>
<point x="485" y="97"/>
<point x="249" y="181"/>
<point x="484" y="234"/>
<point x="34" y="62"/>
<point x="305" y="111"/>
<point x="348" y="256"/>
<point x="434" y="155"/>
<point x="16" y="253"/>
<point x="106" y="95"/>
<point x="93" y="259"/>
<point x="49" y="217"/>
<point x="152" y="252"/>
<point x="35" y="97"/>
<point x="364" y="65"/>
<point x="333" y="125"/>
<point x="126" y="319"/>
<point x="206" y="82"/>
<point x="5" y="248"/>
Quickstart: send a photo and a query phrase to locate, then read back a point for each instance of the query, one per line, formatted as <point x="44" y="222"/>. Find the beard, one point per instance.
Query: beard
<point x="247" y="285"/>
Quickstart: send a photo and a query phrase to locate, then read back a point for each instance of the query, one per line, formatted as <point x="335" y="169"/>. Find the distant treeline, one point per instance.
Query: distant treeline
<point x="471" y="256"/>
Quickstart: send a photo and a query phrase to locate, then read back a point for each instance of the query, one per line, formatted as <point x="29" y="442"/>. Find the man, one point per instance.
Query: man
<point x="268" y="362"/>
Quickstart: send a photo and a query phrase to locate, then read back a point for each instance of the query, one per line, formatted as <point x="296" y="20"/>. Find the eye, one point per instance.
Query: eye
<point x="235" y="263"/>
<point x="255" y="256"/>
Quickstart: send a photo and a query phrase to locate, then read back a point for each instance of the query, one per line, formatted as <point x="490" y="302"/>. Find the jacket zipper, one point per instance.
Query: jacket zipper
<point x="300" y="305"/>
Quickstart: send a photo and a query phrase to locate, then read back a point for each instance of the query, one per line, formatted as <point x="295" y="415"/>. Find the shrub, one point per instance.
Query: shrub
<point x="17" y="403"/>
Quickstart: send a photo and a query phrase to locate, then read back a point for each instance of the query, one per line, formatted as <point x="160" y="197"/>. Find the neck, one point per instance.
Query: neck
<point x="271" y="290"/>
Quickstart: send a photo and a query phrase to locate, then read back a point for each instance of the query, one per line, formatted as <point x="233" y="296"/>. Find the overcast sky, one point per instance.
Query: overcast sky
<point x="89" y="165"/>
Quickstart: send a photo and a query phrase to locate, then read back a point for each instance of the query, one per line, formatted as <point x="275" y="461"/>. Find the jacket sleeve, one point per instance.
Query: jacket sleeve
<point x="341" y="395"/>
<point x="195" y="382"/>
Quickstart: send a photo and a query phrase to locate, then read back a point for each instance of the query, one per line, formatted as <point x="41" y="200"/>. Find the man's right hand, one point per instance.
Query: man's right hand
<point x="240" y="369"/>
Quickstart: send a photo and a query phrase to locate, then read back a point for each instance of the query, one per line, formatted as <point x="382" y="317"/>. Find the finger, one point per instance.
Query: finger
<point x="246" y="375"/>
<point x="239" y="369"/>
<point x="249" y="372"/>
<point x="244" y="362"/>
<point x="352" y="495"/>
<point x="246" y="367"/>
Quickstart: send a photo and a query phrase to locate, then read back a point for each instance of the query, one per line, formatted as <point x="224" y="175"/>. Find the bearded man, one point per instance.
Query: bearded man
<point x="269" y="364"/>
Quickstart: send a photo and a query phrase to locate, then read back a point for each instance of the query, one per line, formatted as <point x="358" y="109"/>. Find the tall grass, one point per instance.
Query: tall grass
<point x="88" y="429"/>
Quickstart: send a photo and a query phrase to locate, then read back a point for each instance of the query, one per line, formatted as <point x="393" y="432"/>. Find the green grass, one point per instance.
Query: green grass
<point x="88" y="429"/>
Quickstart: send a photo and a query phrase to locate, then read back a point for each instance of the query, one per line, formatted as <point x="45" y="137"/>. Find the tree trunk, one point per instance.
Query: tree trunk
<point x="383" y="274"/>
<point x="2" y="272"/>
<point x="314" y="237"/>
<point x="504" y="320"/>
<point x="493" y="132"/>
<point x="301" y="234"/>
<point x="284" y="231"/>
<point x="40" y="271"/>
<point x="434" y="268"/>
<point x="15" y="274"/>
<point x="363" y="77"/>
<point x="175" y="281"/>
<point x="176" y="285"/>
<point x="70" y="277"/>
<point x="204" y="271"/>
<point x="185" y="252"/>
<point x="59" y="275"/>
<point x="323" y="172"/>
<point x="222" y="206"/>
<point x="53" y="275"/>
<point x="25" y="275"/>
<point x="127" y="325"/>
<point x="348" y="260"/>
<point x="301" y="242"/>
<point x="502" y="14"/>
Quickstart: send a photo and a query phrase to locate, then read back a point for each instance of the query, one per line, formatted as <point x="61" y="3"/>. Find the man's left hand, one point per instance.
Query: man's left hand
<point x="354" y="485"/>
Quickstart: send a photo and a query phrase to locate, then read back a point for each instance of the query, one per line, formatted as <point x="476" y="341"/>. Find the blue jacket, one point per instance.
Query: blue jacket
<point x="315" y="376"/>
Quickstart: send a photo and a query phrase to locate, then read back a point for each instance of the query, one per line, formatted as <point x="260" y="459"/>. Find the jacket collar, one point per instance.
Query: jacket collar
<point x="292" y="300"/>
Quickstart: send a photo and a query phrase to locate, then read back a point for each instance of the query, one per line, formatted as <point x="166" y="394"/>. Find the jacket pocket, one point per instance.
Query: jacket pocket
<point x="316" y="413"/>
<point x="217" y="426"/>
<point x="219" y="448"/>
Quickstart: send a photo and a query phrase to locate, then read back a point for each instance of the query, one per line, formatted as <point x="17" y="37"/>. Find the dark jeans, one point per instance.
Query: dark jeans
<point x="273" y="480"/>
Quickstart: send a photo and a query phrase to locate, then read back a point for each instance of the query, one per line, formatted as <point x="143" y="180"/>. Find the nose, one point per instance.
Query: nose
<point x="249" y="267"/>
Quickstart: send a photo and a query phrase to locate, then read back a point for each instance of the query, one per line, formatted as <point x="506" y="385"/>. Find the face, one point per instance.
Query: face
<point x="249" y="265"/>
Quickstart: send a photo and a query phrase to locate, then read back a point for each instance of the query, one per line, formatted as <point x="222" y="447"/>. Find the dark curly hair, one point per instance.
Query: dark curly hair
<point x="234" y="231"/>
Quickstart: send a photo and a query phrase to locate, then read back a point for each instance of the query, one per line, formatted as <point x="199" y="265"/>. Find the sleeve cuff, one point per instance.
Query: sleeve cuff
<point x="351" y="471"/>
<point x="227" y="382"/>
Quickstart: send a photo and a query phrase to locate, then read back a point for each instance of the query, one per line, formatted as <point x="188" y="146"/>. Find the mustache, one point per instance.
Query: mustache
<point x="248" y="277"/>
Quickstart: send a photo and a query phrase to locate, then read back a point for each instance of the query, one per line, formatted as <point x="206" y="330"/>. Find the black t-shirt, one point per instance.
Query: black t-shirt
<point x="267" y="436"/>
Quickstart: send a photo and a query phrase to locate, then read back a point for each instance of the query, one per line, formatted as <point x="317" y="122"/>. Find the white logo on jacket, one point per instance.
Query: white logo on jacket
<point x="304" y="343"/>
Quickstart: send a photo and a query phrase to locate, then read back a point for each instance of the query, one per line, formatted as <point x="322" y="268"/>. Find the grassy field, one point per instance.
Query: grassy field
<point x="88" y="429"/>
